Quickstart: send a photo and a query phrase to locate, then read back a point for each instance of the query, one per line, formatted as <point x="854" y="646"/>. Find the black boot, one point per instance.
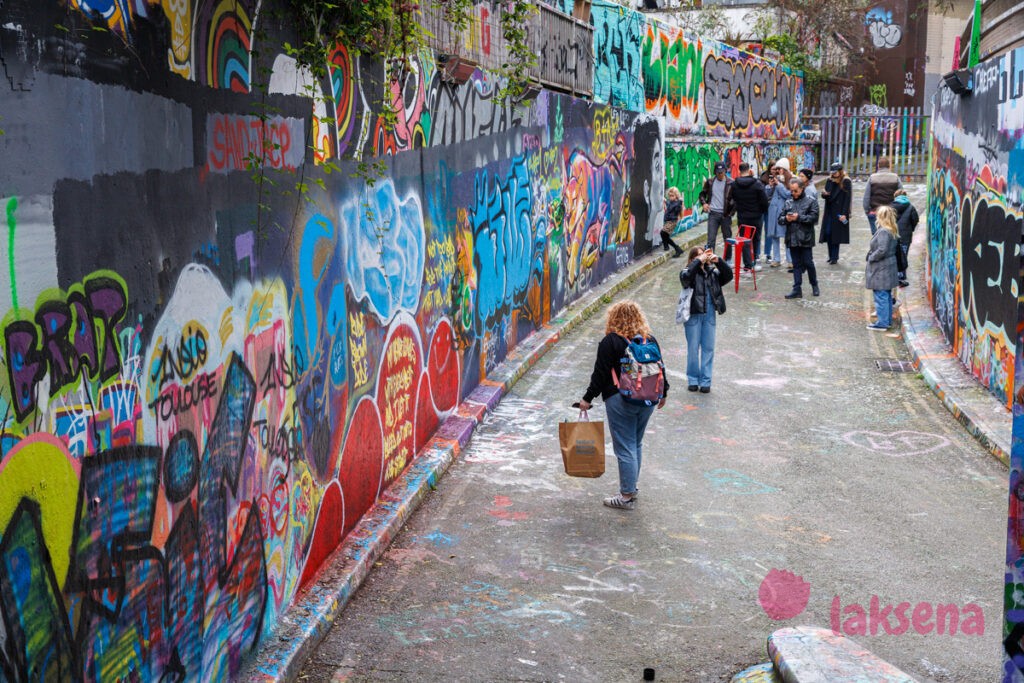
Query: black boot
<point x="815" y="291"/>
<point x="795" y="294"/>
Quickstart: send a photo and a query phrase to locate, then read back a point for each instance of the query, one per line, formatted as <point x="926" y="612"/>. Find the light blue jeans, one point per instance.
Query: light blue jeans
<point x="700" y="345"/>
<point x="883" y="307"/>
<point x="627" y="423"/>
<point x="771" y="248"/>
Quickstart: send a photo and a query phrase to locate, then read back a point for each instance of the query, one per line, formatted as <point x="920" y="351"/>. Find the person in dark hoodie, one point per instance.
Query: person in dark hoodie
<point x="906" y="221"/>
<point x="751" y="201"/>
<point x="800" y="216"/>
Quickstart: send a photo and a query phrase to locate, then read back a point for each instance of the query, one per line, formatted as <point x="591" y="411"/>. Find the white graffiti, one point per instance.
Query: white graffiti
<point x="884" y="33"/>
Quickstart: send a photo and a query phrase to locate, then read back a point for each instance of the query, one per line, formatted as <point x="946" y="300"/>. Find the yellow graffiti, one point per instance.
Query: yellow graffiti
<point x="179" y="55"/>
<point x="40" y="469"/>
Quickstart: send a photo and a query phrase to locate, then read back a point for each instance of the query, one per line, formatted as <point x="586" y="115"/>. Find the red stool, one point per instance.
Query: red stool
<point x="744" y="239"/>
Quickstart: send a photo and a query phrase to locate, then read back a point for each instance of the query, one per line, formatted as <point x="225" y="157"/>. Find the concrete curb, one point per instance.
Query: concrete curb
<point x="307" y="621"/>
<point x="980" y="413"/>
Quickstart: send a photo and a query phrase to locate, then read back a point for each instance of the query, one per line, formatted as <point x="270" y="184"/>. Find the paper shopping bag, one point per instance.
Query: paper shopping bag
<point x="582" y="447"/>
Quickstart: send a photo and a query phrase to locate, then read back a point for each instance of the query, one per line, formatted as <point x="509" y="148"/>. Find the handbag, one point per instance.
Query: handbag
<point x="582" y="445"/>
<point x="683" y="305"/>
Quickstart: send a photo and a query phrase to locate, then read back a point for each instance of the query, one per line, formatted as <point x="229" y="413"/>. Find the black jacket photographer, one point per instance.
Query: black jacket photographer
<point x="706" y="274"/>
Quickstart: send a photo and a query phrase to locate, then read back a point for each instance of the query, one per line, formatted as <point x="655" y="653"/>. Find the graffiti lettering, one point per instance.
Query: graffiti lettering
<point x="618" y="33"/>
<point x="178" y="399"/>
<point x="284" y="443"/>
<point x="504" y="241"/>
<point x="69" y="333"/>
<point x="238" y="143"/>
<point x="745" y="96"/>
<point x="884" y="33"/>
<point x="181" y="362"/>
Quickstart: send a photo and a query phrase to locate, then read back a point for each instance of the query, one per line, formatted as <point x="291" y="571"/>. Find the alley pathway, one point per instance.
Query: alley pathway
<point x="805" y="458"/>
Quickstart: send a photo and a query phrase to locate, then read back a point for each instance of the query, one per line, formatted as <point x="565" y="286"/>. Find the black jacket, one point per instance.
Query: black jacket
<point x="672" y="210"/>
<point x="705" y="195"/>
<point x="698" y="277"/>
<point x="749" y="196"/>
<point x="800" y="233"/>
<point x="906" y="220"/>
<point x="610" y="352"/>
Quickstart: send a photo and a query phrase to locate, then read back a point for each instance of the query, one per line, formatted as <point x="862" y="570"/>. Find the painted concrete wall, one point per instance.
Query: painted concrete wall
<point x="209" y="377"/>
<point x="974" y="220"/>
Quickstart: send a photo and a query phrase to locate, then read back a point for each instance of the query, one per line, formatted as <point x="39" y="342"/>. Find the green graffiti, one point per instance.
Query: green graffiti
<point x="672" y="77"/>
<point x="687" y="167"/>
<point x="12" y="206"/>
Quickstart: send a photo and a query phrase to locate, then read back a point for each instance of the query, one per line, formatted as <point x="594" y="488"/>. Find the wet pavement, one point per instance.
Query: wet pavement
<point x="804" y="458"/>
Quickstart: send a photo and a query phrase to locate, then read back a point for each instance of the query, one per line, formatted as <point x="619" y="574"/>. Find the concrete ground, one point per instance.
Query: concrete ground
<point x="804" y="458"/>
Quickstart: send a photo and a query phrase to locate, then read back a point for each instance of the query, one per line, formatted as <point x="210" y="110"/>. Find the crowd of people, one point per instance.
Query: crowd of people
<point x="781" y="211"/>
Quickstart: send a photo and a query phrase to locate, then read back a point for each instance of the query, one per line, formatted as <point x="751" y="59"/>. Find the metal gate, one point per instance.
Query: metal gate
<point x="859" y="137"/>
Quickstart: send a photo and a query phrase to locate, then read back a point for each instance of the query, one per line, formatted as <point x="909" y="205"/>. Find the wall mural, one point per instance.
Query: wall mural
<point x="699" y="86"/>
<point x="688" y="164"/>
<point x="974" y="214"/>
<point x="210" y="381"/>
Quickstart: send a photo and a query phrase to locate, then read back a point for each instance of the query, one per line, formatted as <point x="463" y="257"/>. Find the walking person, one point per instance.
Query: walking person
<point x="706" y="274"/>
<point x="751" y="201"/>
<point x="673" y="207"/>
<point x="880" y="190"/>
<point x="880" y="273"/>
<point x="627" y="420"/>
<point x="906" y="222"/>
<point x="778" y="195"/>
<point x="716" y="200"/>
<point x="835" y="225"/>
<point x="800" y="216"/>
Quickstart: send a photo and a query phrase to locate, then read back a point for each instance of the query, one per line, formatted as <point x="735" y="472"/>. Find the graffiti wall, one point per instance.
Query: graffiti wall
<point x="700" y="87"/>
<point x="689" y="163"/>
<point x="218" y="348"/>
<point x="974" y="220"/>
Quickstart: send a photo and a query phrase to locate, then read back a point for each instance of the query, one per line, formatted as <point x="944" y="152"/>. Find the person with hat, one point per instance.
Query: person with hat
<point x="717" y="202"/>
<point x="835" y="226"/>
<point x="778" y="195"/>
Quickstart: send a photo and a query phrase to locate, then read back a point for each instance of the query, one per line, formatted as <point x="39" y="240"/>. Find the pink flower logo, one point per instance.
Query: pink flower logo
<point x="783" y="594"/>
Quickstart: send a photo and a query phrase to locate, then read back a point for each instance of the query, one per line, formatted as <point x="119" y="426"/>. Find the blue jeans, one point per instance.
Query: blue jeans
<point x="771" y="248"/>
<point x="883" y="307"/>
<point x="700" y="346"/>
<point x="872" y="218"/>
<point x="627" y="423"/>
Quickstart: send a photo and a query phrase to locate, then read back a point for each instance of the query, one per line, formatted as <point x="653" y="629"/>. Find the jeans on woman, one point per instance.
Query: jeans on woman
<point x="883" y="307"/>
<point x="700" y="345"/>
<point x="627" y="422"/>
<point x="771" y="248"/>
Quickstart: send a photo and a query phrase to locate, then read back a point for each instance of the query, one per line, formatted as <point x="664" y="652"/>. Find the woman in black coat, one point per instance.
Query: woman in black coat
<point x="706" y="274"/>
<point x="835" y="226"/>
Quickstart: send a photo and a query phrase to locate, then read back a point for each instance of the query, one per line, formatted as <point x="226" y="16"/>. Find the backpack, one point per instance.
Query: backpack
<point x="640" y="379"/>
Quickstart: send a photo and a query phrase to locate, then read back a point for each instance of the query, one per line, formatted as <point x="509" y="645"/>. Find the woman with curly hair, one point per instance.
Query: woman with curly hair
<point x="626" y="420"/>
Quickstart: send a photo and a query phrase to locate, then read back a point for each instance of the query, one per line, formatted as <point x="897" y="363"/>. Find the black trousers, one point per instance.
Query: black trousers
<point x="802" y="260"/>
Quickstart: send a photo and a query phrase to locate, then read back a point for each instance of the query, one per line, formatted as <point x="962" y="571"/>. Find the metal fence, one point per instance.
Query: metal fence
<point x="562" y="43"/>
<point x="859" y="137"/>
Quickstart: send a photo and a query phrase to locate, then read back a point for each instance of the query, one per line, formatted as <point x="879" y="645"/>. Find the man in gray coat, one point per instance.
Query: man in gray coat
<point x="800" y="216"/>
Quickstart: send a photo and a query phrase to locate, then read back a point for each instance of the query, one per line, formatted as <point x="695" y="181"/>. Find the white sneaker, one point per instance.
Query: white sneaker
<point x="757" y="266"/>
